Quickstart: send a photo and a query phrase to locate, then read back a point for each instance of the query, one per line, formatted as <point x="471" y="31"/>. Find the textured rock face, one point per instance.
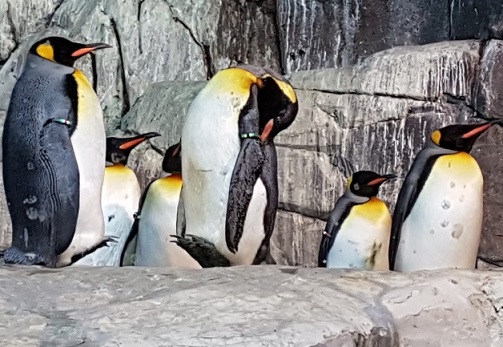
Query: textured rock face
<point x="249" y="306"/>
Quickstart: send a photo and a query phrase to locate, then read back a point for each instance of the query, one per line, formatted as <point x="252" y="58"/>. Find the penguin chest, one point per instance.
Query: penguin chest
<point x="158" y="222"/>
<point x="89" y="142"/>
<point x="363" y="238"/>
<point x="444" y="226"/>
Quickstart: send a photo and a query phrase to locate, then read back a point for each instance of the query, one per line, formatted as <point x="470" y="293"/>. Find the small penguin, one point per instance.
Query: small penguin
<point x="437" y="220"/>
<point x="155" y="226"/>
<point x="358" y="230"/>
<point x="229" y="164"/>
<point x="54" y="158"/>
<point x="119" y="199"/>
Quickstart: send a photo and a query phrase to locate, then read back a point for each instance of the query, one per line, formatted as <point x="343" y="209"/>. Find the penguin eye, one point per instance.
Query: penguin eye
<point x="356" y="186"/>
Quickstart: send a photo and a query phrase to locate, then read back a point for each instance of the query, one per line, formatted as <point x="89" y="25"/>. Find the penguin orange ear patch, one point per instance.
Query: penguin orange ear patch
<point x="46" y="51"/>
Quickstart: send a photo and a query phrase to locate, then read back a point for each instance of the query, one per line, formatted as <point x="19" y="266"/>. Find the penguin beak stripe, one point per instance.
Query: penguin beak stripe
<point x="83" y="51"/>
<point x="376" y="181"/>
<point x="132" y="143"/>
<point x="477" y="131"/>
<point x="267" y="130"/>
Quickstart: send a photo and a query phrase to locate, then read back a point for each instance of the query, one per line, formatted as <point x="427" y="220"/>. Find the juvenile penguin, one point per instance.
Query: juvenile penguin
<point x="54" y="158"/>
<point x="358" y="230"/>
<point x="119" y="199"/>
<point x="229" y="163"/>
<point x="437" y="220"/>
<point x="155" y="225"/>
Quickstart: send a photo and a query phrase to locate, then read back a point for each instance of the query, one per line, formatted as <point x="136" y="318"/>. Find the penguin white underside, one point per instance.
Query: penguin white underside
<point x="444" y="226"/>
<point x="89" y="142"/>
<point x="157" y="223"/>
<point x="362" y="241"/>
<point x="207" y="177"/>
<point x="120" y="199"/>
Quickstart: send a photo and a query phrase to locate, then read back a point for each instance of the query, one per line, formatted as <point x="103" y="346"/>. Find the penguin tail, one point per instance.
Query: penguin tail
<point x="204" y="252"/>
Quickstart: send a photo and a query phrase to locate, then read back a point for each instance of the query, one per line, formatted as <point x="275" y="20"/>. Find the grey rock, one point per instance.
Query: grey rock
<point x="249" y="306"/>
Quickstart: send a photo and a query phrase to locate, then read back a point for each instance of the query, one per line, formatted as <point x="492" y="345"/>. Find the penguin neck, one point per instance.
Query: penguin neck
<point x="434" y="149"/>
<point x="34" y="61"/>
<point x="356" y="198"/>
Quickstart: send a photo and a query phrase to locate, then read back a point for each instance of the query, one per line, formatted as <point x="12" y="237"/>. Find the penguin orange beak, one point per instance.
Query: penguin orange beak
<point x="267" y="130"/>
<point x="381" y="179"/>
<point x="137" y="140"/>
<point x="480" y="129"/>
<point x="89" y="48"/>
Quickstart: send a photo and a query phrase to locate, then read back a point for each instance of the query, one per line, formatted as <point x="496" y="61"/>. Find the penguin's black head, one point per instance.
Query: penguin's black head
<point x="63" y="51"/>
<point x="172" y="162"/>
<point x="118" y="149"/>
<point x="460" y="137"/>
<point x="367" y="183"/>
<point x="277" y="101"/>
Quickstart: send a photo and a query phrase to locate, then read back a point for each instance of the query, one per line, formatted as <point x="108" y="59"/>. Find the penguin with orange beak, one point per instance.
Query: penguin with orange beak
<point x="120" y="199"/>
<point x="437" y="220"/>
<point x="54" y="158"/>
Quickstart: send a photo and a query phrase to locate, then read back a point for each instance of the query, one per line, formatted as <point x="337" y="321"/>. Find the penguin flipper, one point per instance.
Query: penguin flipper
<point x="104" y="243"/>
<point x="269" y="177"/>
<point x="246" y="173"/>
<point x="180" y="216"/>
<point x="204" y="252"/>
<point x="340" y="212"/>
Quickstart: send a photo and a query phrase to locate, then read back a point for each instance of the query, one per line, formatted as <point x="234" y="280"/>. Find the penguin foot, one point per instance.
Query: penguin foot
<point x="203" y="251"/>
<point x="103" y="243"/>
<point x="13" y="255"/>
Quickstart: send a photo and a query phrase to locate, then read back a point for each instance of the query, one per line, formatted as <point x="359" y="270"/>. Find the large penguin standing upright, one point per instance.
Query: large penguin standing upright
<point x="437" y="220"/>
<point x="119" y="199"/>
<point x="229" y="163"/>
<point x="54" y="158"/>
<point x="358" y="229"/>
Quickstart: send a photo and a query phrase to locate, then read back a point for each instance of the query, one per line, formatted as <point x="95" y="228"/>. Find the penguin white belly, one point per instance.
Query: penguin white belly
<point x="89" y="143"/>
<point x="119" y="199"/>
<point x="444" y="226"/>
<point x="157" y="223"/>
<point x="363" y="239"/>
<point x="211" y="145"/>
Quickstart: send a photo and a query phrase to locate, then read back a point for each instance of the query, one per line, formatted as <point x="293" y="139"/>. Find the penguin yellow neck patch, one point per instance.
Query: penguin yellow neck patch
<point x="46" y="51"/>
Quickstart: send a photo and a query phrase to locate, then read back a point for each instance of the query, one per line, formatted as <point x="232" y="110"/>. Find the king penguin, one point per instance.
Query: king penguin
<point x="229" y="164"/>
<point x="119" y="199"/>
<point x="54" y="158"/>
<point x="155" y="226"/>
<point x="437" y="220"/>
<point x="358" y="229"/>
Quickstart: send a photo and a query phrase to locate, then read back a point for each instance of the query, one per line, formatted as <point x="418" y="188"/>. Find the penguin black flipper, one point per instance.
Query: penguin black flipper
<point x="411" y="187"/>
<point x="204" y="252"/>
<point x="41" y="185"/>
<point x="269" y="177"/>
<point x="343" y="207"/>
<point x="246" y="171"/>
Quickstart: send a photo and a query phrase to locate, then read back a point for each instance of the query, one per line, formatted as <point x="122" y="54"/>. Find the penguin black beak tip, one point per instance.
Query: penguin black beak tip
<point x="151" y="135"/>
<point x="389" y="177"/>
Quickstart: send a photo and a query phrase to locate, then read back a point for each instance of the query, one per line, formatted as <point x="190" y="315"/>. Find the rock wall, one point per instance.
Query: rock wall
<point x="249" y="306"/>
<point x="362" y="105"/>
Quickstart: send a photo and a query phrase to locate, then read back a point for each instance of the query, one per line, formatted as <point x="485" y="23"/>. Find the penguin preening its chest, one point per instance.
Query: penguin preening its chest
<point x="155" y="225"/>
<point x="437" y="220"/>
<point x="119" y="199"/>
<point x="229" y="163"/>
<point x="357" y="232"/>
<point x="54" y="158"/>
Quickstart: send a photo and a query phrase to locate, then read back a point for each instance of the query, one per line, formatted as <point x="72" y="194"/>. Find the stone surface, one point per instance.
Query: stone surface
<point x="249" y="306"/>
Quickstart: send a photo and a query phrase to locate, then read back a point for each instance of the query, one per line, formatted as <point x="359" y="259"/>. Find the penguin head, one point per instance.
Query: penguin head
<point x="172" y="162"/>
<point x="63" y="51"/>
<point x="277" y="101"/>
<point x="460" y="137"/>
<point x="367" y="183"/>
<point x="118" y="149"/>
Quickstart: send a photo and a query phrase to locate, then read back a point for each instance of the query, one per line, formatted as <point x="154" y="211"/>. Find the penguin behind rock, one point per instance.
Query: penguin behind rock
<point x="155" y="225"/>
<point x="119" y="199"/>
<point x="437" y="220"/>
<point x="54" y="158"/>
<point x="358" y="230"/>
<point x="229" y="164"/>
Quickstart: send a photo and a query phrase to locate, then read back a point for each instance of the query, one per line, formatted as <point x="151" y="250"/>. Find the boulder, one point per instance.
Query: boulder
<point x="249" y="306"/>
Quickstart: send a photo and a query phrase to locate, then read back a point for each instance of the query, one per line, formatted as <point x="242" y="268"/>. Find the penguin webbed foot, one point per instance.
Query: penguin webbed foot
<point x="13" y="255"/>
<point x="203" y="251"/>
